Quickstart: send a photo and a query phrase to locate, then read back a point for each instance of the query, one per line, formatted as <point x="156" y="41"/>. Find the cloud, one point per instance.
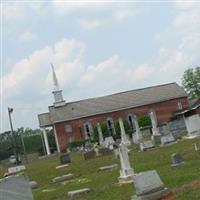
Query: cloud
<point x="94" y="14"/>
<point x="27" y="36"/>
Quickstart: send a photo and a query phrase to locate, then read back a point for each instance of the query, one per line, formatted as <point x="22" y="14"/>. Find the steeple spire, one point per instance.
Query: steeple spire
<point x="59" y="101"/>
<point x="55" y="81"/>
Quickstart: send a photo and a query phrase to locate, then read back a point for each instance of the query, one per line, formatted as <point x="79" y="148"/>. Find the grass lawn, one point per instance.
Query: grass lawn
<point x="105" y="185"/>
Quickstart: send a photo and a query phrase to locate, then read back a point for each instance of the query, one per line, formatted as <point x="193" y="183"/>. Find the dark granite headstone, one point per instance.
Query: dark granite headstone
<point x="176" y="160"/>
<point x="65" y="159"/>
<point x="105" y="151"/>
<point x="89" y="154"/>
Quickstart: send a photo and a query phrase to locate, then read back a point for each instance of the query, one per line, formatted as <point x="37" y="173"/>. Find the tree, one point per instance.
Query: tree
<point x="191" y="82"/>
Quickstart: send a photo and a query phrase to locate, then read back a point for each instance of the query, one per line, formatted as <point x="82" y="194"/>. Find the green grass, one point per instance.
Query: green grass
<point x="105" y="185"/>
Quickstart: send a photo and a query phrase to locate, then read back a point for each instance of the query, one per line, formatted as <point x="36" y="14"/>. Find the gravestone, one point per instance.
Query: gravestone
<point x="88" y="146"/>
<point x="126" y="172"/>
<point x="14" y="170"/>
<point x="109" y="142"/>
<point x="65" y="159"/>
<point x="62" y="166"/>
<point x="89" y="154"/>
<point x="15" y="188"/>
<point x="108" y="167"/>
<point x="196" y="146"/>
<point x="166" y="139"/>
<point x="62" y="178"/>
<point x="146" y="145"/>
<point x="76" y="193"/>
<point x="116" y="153"/>
<point x="105" y="151"/>
<point x="156" y="139"/>
<point x="176" y="160"/>
<point x="33" y="184"/>
<point x="148" y="186"/>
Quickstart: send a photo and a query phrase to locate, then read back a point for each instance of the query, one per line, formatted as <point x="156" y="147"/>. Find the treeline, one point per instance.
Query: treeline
<point x="32" y="141"/>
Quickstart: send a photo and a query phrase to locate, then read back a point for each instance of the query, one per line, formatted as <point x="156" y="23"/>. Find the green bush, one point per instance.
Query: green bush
<point x="144" y="121"/>
<point x="75" y="144"/>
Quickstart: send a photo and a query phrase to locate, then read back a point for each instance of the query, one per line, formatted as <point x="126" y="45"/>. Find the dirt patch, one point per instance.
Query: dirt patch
<point x="176" y="191"/>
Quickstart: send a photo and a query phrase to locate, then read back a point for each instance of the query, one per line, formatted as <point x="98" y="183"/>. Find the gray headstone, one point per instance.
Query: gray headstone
<point x="105" y="151"/>
<point x="167" y="139"/>
<point x="89" y="155"/>
<point x="176" y="160"/>
<point x="108" y="167"/>
<point x="149" y="186"/>
<point x="15" y="188"/>
<point x="147" y="182"/>
<point x="63" y="178"/>
<point x="146" y="145"/>
<point x="76" y="193"/>
<point x="65" y="159"/>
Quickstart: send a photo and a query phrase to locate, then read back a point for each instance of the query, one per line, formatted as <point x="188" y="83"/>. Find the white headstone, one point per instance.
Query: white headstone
<point x="124" y="138"/>
<point x="126" y="172"/>
<point x="109" y="142"/>
<point x="13" y="170"/>
<point x="166" y="139"/>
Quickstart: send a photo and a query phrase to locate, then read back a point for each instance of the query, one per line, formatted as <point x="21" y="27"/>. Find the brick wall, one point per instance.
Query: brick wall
<point x="164" y="111"/>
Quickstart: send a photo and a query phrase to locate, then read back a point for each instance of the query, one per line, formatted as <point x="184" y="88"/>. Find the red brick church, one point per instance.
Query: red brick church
<point x="76" y="120"/>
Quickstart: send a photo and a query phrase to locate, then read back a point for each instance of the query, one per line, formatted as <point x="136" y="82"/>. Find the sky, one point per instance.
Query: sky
<point x="97" y="48"/>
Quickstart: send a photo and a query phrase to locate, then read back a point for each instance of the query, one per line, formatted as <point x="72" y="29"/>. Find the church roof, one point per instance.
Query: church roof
<point x="111" y="103"/>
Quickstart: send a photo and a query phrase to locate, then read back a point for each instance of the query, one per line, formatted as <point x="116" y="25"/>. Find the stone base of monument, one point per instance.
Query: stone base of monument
<point x="152" y="196"/>
<point x="156" y="139"/>
<point x="76" y="193"/>
<point x="194" y="134"/>
<point x="125" y="179"/>
<point x="148" y="186"/>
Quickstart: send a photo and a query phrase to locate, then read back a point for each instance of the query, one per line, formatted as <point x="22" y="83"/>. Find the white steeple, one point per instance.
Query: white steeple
<point x="55" y="81"/>
<point x="57" y="92"/>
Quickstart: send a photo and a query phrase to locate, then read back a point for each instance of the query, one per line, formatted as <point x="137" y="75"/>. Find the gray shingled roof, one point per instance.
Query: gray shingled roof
<point x="15" y="188"/>
<point x="110" y="103"/>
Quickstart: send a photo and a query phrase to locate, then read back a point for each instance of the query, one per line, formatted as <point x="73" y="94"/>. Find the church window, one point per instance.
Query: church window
<point x="130" y="120"/>
<point x="68" y="128"/>
<point x="179" y="105"/>
<point x="110" y="125"/>
<point x="88" y="129"/>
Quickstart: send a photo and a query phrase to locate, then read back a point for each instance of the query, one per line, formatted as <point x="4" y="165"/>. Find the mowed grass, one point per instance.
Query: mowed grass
<point x="104" y="185"/>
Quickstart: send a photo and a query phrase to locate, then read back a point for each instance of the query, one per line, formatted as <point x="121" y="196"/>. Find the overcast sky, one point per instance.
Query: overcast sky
<point x="96" y="48"/>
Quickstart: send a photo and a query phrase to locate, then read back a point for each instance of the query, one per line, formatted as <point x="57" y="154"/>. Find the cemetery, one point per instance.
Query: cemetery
<point x="155" y="173"/>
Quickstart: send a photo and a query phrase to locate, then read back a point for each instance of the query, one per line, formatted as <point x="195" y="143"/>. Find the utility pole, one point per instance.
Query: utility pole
<point x="14" y="143"/>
